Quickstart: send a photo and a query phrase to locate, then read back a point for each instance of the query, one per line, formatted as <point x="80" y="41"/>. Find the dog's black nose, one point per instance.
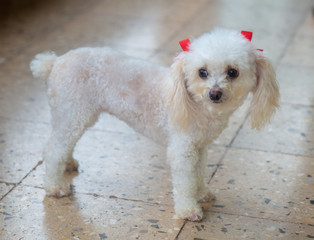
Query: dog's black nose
<point x="215" y="94"/>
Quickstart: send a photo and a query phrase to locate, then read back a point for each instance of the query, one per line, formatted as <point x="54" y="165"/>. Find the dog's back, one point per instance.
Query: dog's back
<point x="103" y="80"/>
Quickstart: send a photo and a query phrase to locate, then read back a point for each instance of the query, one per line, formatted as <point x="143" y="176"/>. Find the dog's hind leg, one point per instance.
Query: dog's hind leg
<point x="68" y="125"/>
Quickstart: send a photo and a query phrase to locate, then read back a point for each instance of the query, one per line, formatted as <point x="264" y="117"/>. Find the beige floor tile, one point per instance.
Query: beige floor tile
<point x="291" y="131"/>
<point x="24" y="99"/>
<point x="177" y="10"/>
<point x="21" y="144"/>
<point x="27" y="214"/>
<point x="219" y="226"/>
<point x="106" y="160"/>
<point x="21" y="96"/>
<point x="265" y="185"/>
<point x="301" y="50"/>
<point x="296" y="84"/>
<point x="271" y="24"/>
<point x="127" y="34"/>
<point x="62" y="41"/>
<point x="22" y="27"/>
<point x="107" y="29"/>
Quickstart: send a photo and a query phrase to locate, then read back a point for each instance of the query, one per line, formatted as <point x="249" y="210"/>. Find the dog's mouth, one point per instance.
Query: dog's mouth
<point x="217" y="101"/>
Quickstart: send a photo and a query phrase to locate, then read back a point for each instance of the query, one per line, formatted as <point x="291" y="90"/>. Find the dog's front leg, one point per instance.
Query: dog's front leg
<point x="184" y="158"/>
<point x="203" y="195"/>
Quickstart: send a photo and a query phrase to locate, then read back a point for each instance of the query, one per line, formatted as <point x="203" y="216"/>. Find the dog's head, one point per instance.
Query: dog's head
<point x="216" y="74"/>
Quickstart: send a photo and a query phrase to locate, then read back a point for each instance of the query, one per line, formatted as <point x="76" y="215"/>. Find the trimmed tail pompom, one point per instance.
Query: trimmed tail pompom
<point x="42" y="64"/>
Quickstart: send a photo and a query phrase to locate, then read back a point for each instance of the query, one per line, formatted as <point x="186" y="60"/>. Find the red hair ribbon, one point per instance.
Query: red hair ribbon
<point x="185" y="45"/>
<point x="248" y="35"/>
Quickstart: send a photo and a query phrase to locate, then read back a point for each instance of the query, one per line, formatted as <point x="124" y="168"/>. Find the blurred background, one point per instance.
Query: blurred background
<point x="263" y="181"/>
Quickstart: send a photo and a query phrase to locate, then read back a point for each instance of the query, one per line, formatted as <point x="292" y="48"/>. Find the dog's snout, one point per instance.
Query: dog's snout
<point x="215" y="94"/>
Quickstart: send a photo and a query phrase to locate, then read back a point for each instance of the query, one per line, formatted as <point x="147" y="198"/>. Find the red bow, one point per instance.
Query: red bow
<point x="248" y="36"/>
<point x="185" y="44"/>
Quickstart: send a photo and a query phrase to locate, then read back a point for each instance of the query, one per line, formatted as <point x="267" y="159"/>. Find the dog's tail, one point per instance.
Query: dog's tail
<point x="42" y="64"/>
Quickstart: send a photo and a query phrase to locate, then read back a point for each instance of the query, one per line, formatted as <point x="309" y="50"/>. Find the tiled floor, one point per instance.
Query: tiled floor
<point x="263" y="181"/>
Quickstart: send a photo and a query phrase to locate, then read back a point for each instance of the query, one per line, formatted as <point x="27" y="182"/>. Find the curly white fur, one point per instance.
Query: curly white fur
<point x="42" y="64"/>
<point x="170" y="105"/>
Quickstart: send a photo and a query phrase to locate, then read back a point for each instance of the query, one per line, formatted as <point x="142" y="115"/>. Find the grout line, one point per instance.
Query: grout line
<point x="295" y="66"/>
<point x="265" y="151"/>
<point x="181" y="229"/>
<point x="228" y="147"/>
<point x="33" y="169"/>
<point x="238" y="131"/>
<point x="250" y="149"/>
<point x="120" y="198"/>
<point x="22" y="120"/>
<point x="158" y="204"/>
<point x="276" y="152"/>
<point x="218" y="165"/>
<point x="256" y="217"/>
<point x="32" y="186"/>
<point x="8" y="192"/>
<point x="297" y="104"/>
<point x="8" y="183"/>
<point x="96" y="195"/>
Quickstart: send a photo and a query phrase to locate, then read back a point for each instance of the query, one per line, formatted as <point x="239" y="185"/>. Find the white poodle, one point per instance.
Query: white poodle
<point x="184" y="107"/>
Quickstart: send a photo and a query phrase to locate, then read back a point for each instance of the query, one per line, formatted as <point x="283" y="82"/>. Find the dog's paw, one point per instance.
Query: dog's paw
<point x="206" y="196"/>
<point x="58" y="190"/>
<point x="71" y="165"/>
<point x="193" y="214"/>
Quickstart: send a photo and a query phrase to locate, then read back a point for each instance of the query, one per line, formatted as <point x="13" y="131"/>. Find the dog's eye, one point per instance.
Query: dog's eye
<point x="232" y="73"/>
<point x="203" y="73"/>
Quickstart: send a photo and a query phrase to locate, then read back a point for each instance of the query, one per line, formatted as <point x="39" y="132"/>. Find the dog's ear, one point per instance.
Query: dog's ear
<point x="265" y="95"/>
<point x="179" y="102"/>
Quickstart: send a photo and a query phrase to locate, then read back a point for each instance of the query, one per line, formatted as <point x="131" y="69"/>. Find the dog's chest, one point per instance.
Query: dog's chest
<point x="206" y="134"/>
